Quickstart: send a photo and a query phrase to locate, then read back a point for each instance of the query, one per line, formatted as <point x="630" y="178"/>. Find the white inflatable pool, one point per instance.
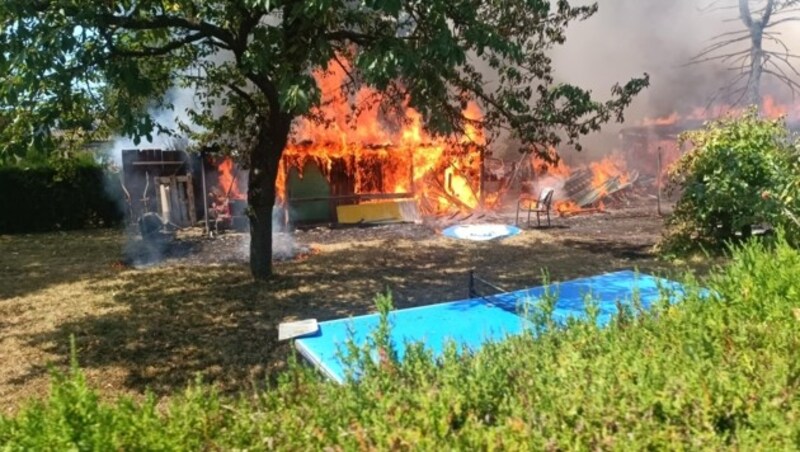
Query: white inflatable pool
<point x="481" y="232"/>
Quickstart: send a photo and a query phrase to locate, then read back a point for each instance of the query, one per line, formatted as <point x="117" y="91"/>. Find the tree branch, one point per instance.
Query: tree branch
<point x="154" y="51"/>
<point x="767" y="13"/>
<point x="244" y="95"/>
<point x="348" y="35"/>
<point x="167" y="21"/>
<point x="744" y="13"/>
<point x="781" y="21"/>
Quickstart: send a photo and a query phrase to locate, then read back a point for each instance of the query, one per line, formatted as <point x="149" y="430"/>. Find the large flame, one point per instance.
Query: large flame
<point x="611" y="166"/>
<point x="380" y="154"/>
<point x="363" y="150"/>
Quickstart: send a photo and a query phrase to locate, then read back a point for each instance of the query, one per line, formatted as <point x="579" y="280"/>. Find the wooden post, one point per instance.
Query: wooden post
<point x="658" y="183"/>
<point x="206" y="228"/>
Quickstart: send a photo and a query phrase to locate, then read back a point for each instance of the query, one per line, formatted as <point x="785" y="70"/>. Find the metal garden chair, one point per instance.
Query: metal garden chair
<point x="540" y="205"/>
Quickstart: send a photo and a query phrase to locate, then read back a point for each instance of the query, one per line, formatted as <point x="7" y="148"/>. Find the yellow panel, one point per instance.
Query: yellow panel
<point x="372" y="212"/>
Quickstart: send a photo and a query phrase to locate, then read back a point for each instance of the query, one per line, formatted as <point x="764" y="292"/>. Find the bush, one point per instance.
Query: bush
<point x="704" y="374"/>
<point x="62" y="194"/>
<point x="729" y="181"/>
<point x="789" y="200"/>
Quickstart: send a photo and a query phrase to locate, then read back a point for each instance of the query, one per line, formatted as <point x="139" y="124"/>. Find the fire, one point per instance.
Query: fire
<point x="228" y="180"/>
<point x="661" y="138"/>
<point x="773" y="109"/>
<point x="377" y="152"/>
<point x="542" y="167"/>
<point x="770" y="107"/>
<point x="566" y="207"/>
<point x="582" y="183"/>
<point x="670" y="119"/>
<point x="609" y="167"/>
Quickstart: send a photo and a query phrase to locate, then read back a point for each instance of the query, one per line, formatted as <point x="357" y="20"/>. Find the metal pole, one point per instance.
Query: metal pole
<point x="482" y="181"/>
<point x="471" y="284"/>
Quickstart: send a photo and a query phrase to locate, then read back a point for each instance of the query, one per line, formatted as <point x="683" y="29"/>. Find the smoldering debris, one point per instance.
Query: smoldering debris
<point x="192" y="247"/>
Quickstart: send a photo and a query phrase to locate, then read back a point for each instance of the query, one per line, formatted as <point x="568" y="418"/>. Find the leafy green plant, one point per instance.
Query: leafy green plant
<point x="729" y="181"/>
<point x="788" y="199"/>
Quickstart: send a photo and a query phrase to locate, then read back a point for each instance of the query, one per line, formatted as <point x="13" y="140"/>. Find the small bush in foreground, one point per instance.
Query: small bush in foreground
<point x="714" y="373"/>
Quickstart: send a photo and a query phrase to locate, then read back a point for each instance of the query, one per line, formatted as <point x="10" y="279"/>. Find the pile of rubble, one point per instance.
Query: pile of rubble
<point x="582" y="189"/>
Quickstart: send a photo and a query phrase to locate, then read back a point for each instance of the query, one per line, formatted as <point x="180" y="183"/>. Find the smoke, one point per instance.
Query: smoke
<point x="629" y="37"/>
<point x="182" y="100"/>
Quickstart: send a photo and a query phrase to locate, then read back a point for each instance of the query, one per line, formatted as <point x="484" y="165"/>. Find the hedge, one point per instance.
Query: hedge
<point x="47" y="198"/>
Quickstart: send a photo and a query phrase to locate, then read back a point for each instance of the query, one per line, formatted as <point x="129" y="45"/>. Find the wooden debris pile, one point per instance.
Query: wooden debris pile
<point x="585" y="193"/>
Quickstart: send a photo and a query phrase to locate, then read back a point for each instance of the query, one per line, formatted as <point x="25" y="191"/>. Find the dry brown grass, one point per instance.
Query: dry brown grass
<point x="157" y="328"/>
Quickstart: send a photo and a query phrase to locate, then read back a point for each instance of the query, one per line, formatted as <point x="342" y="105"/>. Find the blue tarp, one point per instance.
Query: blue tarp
<point x="473" y="322"/>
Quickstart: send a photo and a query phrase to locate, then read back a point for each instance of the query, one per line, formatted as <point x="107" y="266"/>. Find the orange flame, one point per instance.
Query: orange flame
<point x="609" y="167"/>
<point x="593" y="176"/>
<point x="770" y="107"/>
<point x="227" y="181"/>
<point x="378" y="153"/>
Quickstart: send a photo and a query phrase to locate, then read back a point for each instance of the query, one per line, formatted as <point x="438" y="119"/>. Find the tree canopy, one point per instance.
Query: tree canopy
<point x="91" y="64"/>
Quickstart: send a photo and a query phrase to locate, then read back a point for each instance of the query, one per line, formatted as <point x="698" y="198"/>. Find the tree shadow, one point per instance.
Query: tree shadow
<point x="621" y="250"/>
<point x="32" y="262"/>
<point x="177" y="321"/>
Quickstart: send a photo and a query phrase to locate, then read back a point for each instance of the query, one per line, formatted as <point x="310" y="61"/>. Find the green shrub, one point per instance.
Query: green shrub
<point x="729" y="181"/>
<point x="789" y="200"/>
<point x="707" y="373"/>
<point x="62" y="194"/>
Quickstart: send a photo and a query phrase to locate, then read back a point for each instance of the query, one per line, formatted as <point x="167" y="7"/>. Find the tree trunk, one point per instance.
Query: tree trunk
<point x="756" y="65"/>
<point x="756" y="28"/>
<point x="264" y="160"/>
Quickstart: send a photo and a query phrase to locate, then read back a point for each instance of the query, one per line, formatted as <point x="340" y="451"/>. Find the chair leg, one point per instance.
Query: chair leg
<point x="529" y="215"/>
<point x="516" y="221"/>
<point x="538" y="220"/>
<point x="548" y="218"/>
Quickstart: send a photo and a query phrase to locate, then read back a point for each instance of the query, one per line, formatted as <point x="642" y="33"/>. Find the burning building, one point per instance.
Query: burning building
<point x="368" y="166"/>
<point x="354" y="163"/>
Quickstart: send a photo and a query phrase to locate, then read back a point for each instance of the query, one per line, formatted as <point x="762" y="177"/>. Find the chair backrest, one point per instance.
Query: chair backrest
<point x="546" y="198"/>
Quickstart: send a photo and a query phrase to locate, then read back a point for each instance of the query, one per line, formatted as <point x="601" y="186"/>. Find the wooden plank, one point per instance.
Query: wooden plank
<point x="376" y="212"/>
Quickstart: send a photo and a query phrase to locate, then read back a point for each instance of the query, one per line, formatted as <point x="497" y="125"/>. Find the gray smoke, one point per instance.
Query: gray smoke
<point x="629" y="37"/>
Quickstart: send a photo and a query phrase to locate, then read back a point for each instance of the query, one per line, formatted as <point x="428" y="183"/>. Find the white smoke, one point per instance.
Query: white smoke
<point x="182" y="100"/>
